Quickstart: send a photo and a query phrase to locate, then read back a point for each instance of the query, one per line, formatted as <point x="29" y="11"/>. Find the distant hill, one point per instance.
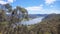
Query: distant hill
<point x="36" y="15"/>
<point x="50" y="16"/>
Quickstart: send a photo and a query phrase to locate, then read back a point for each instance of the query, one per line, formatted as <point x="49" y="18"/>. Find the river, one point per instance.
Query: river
<point x="33" y="21"/>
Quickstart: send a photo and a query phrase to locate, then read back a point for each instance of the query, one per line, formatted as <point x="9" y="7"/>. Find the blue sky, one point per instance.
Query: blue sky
<point x="36" y="6"/>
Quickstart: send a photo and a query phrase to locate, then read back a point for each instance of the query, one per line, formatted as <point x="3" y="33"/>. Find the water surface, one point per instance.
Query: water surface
<point x="33" y="21"/>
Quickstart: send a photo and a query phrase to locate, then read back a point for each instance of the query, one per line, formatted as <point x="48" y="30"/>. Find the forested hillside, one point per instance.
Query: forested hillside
<point x="49" y="25"/>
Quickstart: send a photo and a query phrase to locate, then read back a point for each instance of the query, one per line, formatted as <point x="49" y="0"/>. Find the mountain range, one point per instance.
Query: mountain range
<point x="36" y="15"/>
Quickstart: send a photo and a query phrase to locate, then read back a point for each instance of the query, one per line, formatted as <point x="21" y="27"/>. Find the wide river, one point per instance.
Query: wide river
<point x="33" y="21"/>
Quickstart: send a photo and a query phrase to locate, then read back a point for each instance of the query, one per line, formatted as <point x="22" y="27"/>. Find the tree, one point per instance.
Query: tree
<point x="19" y="14"/>
<point x="16" y="16"/>
<point x="2" y="15"/>
<point x="23" y="11"/>
<point x="8" y="7"/>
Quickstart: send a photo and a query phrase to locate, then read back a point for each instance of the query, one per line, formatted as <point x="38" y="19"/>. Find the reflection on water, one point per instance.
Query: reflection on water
<point x="33" y="21"/>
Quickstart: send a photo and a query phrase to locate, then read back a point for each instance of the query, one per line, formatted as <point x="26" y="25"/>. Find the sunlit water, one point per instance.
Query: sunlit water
<point x="33" y="21"/>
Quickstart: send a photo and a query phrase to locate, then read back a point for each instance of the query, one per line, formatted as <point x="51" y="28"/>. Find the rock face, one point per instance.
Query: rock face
<point x="49" y="25"/>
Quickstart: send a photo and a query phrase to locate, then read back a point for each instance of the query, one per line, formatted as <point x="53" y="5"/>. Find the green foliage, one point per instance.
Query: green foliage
<point x="8" y="7"/>
<point x="8" y="23"/>
<point x="49" y="25"/>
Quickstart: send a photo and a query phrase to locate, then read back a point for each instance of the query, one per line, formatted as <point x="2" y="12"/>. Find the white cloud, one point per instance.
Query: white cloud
<point x="48" y="2"/>
<point x="5" y="2"/>
<point x="50" y="11"/>
<point x="35" y="8"/>
<point x="41" y="10"/>
<point x="11" y="1"/>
